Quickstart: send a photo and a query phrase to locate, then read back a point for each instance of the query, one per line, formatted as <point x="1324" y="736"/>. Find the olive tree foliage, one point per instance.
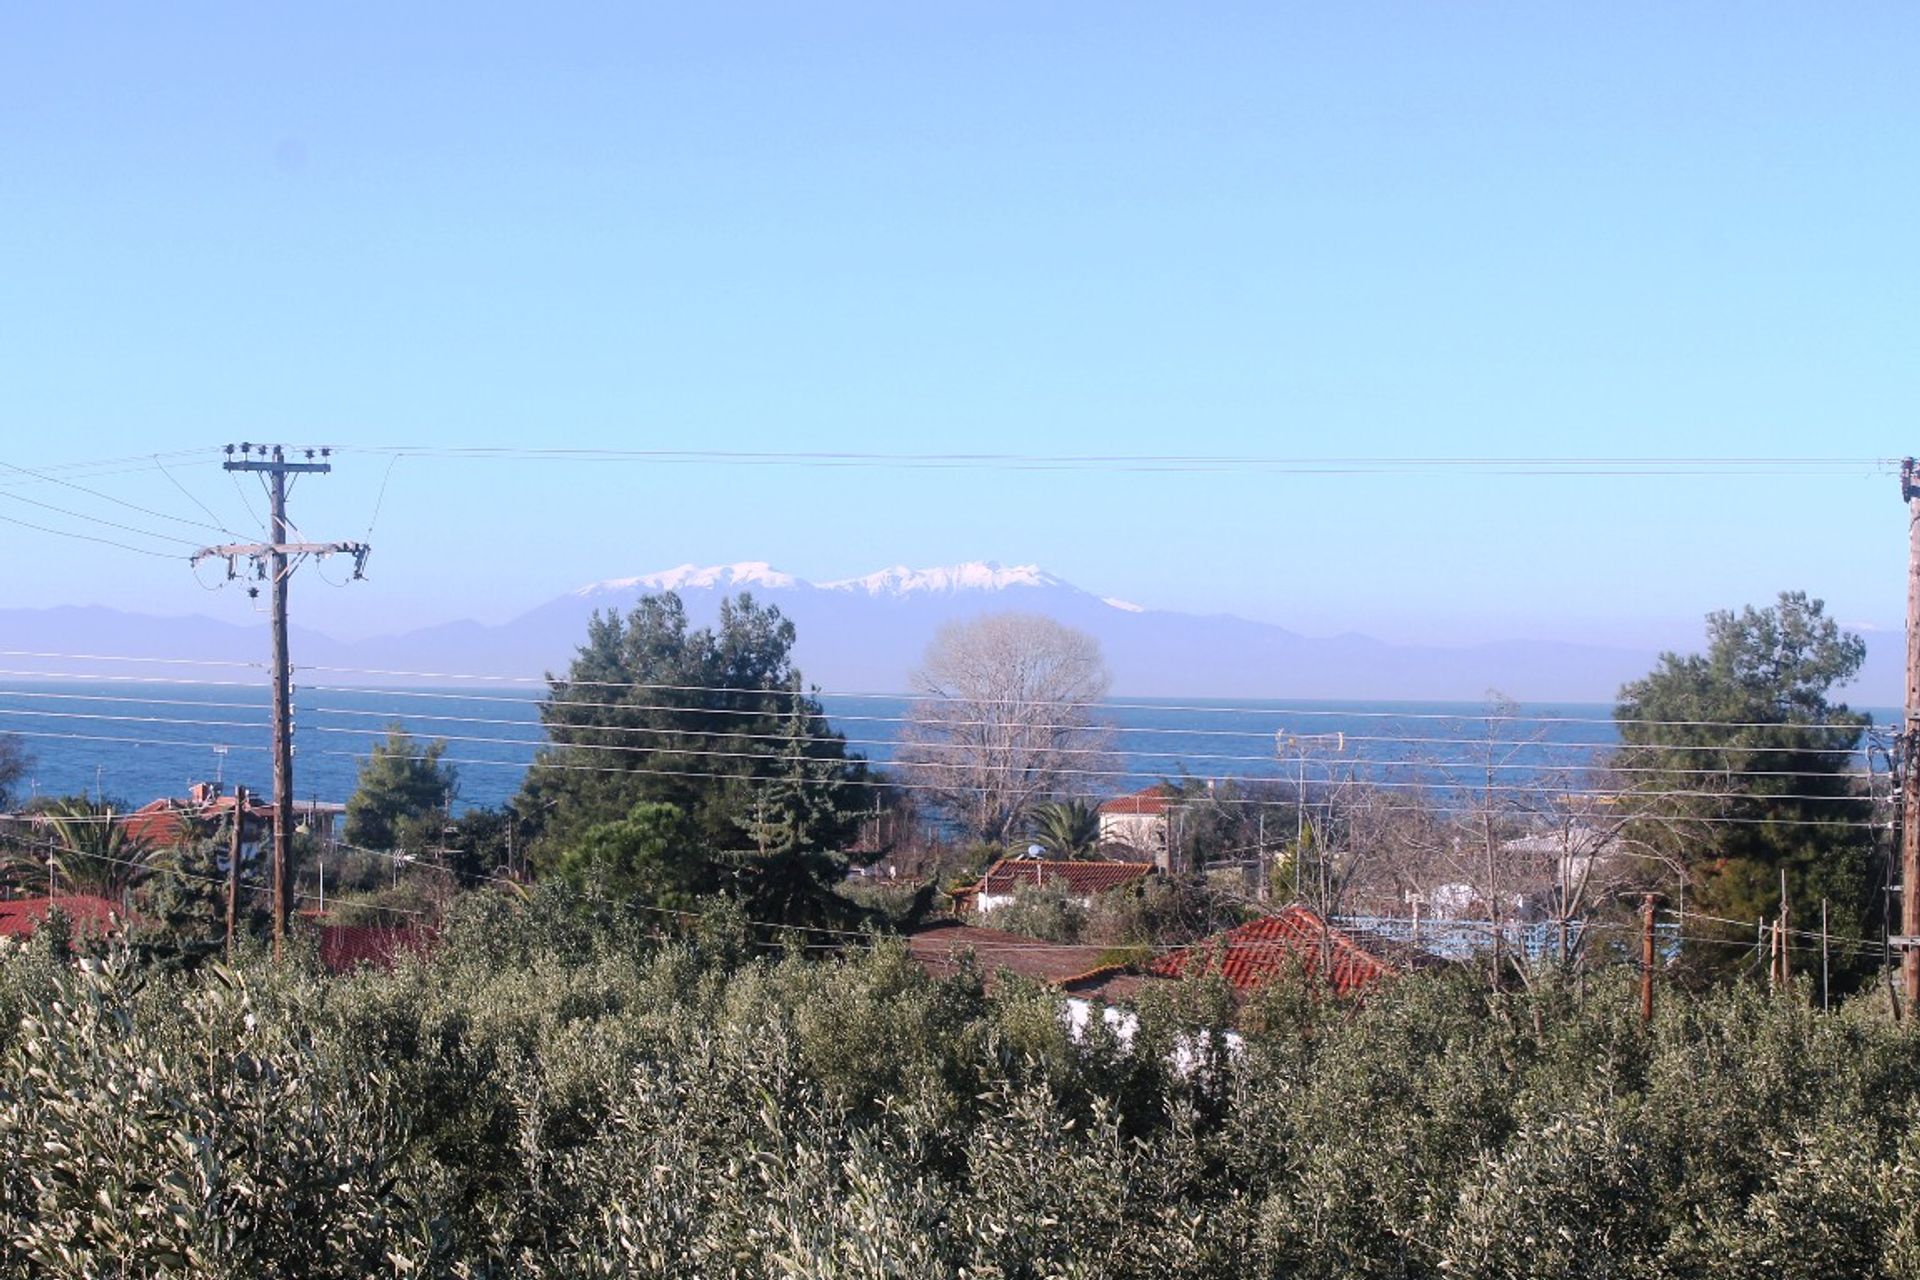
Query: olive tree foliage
<point x="403" y="791"/>
<point x="1739" y="767"/>
<point x="559" y="1092"/>
<point x="1006" y="716"/>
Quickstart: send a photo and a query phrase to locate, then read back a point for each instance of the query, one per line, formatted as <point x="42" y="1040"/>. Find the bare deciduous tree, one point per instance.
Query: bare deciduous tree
<point x="1007" y="716"/>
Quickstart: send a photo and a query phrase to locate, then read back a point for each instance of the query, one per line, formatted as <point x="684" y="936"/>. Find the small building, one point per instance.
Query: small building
<point x="1082" y="881"/>
<point x="1094" y="988"/>
<point x="1294" y="939"/>
<point x="1085" y="973"/>
<point x="203" y="812"/>
<point x="1139" y="822"/>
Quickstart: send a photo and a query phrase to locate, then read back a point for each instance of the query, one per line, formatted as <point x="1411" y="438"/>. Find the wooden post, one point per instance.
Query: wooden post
<point x="1824" y="1005"/>
<point x="272" y="560"/>
<point x="282" y="720"/>
<point x="1786" y="934"/>
<point x="1910" y="748"/>
<point x="1646" y="958"/>
<point x="233" y="865"/>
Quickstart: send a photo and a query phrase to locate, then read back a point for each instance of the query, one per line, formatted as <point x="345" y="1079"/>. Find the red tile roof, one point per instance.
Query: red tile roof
<point x="1152" y="800"/>
<point x="344" y="947"/>
<point x="941" y="950"/>
<point x="1078" y="877"/>
<point x="1293" y="938"/>
<point x="161" y="823"/>
<point x="92" y="916"/>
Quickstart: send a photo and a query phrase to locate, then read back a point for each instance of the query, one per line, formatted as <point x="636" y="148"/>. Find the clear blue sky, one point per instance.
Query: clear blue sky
<point x="1307" y="230"/>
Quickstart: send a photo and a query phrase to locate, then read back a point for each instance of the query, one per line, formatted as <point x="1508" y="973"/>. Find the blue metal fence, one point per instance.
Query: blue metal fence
<point x="1538" y="940"/>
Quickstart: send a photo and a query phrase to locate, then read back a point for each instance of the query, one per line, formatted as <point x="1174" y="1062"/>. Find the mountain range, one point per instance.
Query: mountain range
<point x="866" y="634"/>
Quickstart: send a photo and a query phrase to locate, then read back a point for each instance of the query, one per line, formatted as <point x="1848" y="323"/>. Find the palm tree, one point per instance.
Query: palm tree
<point x="1066" y="829"/>
<point x="91" y="852"/>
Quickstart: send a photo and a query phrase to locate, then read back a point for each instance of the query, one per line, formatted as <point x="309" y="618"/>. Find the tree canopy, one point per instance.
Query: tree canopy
<point x="1066" y="828"/>
<point x="15" y="761"/>
<point x="402" y="783"/>
<point x="1006" y="718"/>
<point x="1738" y="765"/>
<point x="715" y="723"/>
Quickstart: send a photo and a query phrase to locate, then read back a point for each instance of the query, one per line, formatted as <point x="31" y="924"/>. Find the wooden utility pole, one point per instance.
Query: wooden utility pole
<point x="1646" y="958"/>
<point x="1786" y="933"/>
<point x="1910" y="751"/>
<point x="276" y="559"/>
<point x="233" y="866"/>
<point x="1824" y="1006"/>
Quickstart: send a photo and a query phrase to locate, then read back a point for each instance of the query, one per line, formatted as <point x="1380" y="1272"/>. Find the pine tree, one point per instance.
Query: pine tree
<point x="800" y="820"/>
<point x="1737" y="766"/>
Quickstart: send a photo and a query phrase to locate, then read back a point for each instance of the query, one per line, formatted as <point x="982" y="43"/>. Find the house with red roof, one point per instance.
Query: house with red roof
<point x="167" y="822"/>
<point x="1138" y="821"/>
<point x="1081" y="880"/>
<point x="1293" y="940"/>
<point x="1093" y="986"/>
<point x="1086" y="975"/>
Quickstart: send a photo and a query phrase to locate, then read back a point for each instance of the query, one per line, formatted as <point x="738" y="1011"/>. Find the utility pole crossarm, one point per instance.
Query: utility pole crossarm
<point x="275" y="465"/>
<point x="235" y="550"/>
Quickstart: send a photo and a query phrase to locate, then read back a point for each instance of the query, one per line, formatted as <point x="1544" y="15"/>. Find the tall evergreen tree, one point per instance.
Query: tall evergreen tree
<point x="797" y="823"/>
<point x="1738" y="765"/>
<point x="653" y="710"/>
<point x="401" y="782"/>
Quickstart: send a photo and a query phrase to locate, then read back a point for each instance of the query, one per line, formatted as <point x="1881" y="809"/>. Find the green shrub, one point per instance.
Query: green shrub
<point x="570" y="1087"/>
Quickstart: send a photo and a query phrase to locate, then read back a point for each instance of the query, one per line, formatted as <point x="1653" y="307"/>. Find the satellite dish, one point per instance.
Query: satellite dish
<point x="1035" y="851"/>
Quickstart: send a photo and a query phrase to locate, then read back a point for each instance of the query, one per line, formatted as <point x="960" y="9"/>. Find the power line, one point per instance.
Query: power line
<point x="886" y="784"/>
<point x="1328" y="763"/>
<point x="1282" y="711"/>
<point x="1266" y="735"/>
<point x="87" y="537"/>
<point x="1018" y="461"/>
<point x="217" y="522"/>
<point x="131" y="506"/>
<point x="99" y="520"/>
<point x="1015" y="767"/>
<point x="53" y="473"/>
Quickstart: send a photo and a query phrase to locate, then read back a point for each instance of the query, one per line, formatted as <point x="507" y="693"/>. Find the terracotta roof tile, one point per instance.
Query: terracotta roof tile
<point x="1150" y="800"/>
<point x="940" y="949"/>
<point x="1255" y="952"/>
<point x="1079" y="877"/>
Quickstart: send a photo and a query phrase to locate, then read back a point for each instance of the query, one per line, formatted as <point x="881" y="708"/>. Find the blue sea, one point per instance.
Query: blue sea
<point x="137" y="740"/>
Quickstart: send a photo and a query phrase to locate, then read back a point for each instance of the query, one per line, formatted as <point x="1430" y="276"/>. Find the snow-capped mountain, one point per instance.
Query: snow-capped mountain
<point x="974" y="575"/>
<point x="867" y="633"/>
<point x="745" y="576"/>
<point x="899" y="580"/>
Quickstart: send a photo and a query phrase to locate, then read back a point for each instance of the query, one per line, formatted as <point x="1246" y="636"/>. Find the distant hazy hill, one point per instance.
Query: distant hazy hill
<point x="866" y="634"/>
